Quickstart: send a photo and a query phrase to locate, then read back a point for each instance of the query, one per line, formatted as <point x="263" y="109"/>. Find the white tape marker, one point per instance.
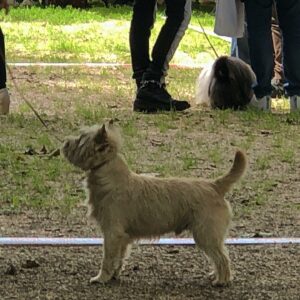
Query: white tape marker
<point x="50" y="241"/>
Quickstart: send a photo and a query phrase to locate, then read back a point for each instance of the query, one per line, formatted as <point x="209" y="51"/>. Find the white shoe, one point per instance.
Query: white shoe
<point x="263" y="103"/>
<point x="295" y="103"/>
<point x="4" y="101"/>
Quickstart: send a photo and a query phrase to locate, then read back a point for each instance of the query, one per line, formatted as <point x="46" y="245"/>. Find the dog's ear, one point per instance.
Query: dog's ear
<point x="111" y="122"/>
<point x="101" y="135"/>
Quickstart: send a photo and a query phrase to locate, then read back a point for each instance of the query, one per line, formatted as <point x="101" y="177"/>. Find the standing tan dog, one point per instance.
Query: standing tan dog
<point x="128" y="206"/>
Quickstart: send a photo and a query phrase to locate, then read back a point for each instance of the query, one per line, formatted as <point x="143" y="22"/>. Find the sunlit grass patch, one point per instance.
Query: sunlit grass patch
<point x="95" y="35"/>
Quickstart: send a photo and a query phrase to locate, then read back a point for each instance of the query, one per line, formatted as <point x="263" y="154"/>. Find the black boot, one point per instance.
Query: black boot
<point x="152" y="96"/>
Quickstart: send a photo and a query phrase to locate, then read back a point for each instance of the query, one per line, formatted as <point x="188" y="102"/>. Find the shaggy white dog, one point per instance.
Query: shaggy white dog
<point x="227" y="83"/>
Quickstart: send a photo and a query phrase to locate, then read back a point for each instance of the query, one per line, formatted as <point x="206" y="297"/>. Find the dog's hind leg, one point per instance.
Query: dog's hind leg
<point x="125" y="251"/>
<point x="115" y="245"/>
<point x="220" y="259"/>
<point x="213" y="246"/>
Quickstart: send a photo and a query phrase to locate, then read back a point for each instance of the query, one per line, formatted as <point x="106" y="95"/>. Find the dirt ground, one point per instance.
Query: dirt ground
<point x="163" y="272"/>
<point x="152" y="272"/>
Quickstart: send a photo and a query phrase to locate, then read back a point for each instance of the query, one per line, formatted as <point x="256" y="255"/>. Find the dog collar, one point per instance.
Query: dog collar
<point x="99" y="166"/>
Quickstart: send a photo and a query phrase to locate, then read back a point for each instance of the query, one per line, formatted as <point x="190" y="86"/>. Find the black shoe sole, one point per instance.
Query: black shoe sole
<point x="145" y="106"/>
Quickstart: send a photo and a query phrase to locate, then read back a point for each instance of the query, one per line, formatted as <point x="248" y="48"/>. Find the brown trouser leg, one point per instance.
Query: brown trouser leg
<point x="277" y="44"/>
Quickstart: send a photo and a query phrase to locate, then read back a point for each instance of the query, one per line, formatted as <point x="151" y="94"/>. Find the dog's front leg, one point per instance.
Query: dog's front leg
<point x="114" y="251"/>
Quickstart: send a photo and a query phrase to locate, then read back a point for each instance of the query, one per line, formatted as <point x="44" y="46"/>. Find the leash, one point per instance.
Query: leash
<point x="207" y="38"/>
<point x="51" y="132"/>
<point x="22" y="95"/>
<point x="205" y="34"/>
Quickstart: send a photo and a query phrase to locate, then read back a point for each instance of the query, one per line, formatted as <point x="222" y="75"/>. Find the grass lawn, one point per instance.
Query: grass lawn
<point x="42" y="195"/>
<point x="196" y="143"/>
<point x="96" y="35"/>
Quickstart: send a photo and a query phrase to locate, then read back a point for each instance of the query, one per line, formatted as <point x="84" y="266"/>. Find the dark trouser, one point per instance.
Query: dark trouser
<point x="240" y="48"/>
<point x="178" y="14"/>
<point x="259" y="14"/>
<point x="2" y="62"/>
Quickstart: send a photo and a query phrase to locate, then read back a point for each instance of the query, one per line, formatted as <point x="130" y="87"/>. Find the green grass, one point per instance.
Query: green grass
<point x="94" y="35"/>
<point x="167" y="144"/>
<point x="197" y="143"/>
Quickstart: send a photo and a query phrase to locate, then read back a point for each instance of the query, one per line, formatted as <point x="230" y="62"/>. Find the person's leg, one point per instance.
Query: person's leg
<point x="4" y="96"/>
<point x="289" y="21"/>
<point x="152" y="95"/>
<point x="178" y="14"/>
<point x="240" y="47"/>
<point x="258" y="14"/>
<point x="277" y="44"/>
<point x="233" y="48"/>
<point x="243" y="49"/>
<point x="2" y="62"/>
<point x="143" y="18"/>
<point x="278" y="76"/>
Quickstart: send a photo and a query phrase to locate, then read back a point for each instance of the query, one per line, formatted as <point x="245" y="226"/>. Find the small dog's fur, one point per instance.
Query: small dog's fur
<point x="225" y="84"/>
<point x="128" y="206"/>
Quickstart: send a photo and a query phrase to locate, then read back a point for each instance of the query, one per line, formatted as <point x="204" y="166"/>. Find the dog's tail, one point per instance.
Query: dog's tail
<point x="237" y="170"/>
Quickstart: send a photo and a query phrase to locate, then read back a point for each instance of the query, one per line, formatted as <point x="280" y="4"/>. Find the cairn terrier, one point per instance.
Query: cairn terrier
<point x="227" y="83"/>
<point x="129" y="207"/>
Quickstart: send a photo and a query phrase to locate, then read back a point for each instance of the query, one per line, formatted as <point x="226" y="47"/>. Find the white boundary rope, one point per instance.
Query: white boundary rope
<point x="54" y="64"/>
<point x="50" y="241"/>
<point x="90" y="65"/>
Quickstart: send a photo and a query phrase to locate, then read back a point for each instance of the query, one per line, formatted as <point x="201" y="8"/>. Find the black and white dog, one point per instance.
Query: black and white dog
<point x="227" y="83"/>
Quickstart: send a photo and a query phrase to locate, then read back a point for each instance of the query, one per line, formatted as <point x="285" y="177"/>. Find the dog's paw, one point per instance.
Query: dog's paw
<point x="212" y="276"/>
<point x="218" y="283"/>
<point x="102" y="278"/>
<point x="95" y="279"/>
